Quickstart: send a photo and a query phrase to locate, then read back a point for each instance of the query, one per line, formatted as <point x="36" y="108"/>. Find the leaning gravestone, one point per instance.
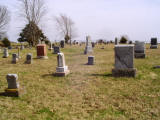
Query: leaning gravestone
<point x="29" y="58"/>
<point x="154" y="43"/>
<point x="14" y="58"/>
<point x="124" y="61"/>
<point x="56" y="49"/>
<point x="62" y="44"/>
<point x="88" y="48"/>
<point x="90" y="60"/>
<point x="13" y="85"/>
<point x="41" y="51"/>
<point x="62" y="69"/>
<point x="139" y="49"/>
<point x="5" y="53"/>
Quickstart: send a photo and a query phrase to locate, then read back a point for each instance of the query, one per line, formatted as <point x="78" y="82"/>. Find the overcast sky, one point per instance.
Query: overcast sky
<point x="106" y="19"/>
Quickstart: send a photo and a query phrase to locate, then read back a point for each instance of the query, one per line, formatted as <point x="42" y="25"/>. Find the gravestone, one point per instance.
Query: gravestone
<point x="90" y="60"/>
<point x="10" y="47"/>
<point x="50" y="46"/>
<point x="62" y="44"/>
<point x="116" y="41"/>
<point x="29" y="58"/>
<point x="154" y="43"/>
<point x="41" y="51"/>
<point x="88" y="48"/>
<point x="5" y="53"/>
<point x="124" y="61"/>
<point x="139" y="49"/>
<point x="56" y="49"/>
<point x="93" y="44"/>
<point x="18" y="56"/>
<point x="62" y="69"/>
<point x="22" y="47"/>
<point x="14" y="58"/>
<point x="13" y="85"/>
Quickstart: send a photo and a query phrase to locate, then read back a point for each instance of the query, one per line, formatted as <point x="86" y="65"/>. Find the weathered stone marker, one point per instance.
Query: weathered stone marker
<point x="116" y="41"/>
<point x="139" y="50"/>
<point x="14" y="58"/>
<point x="13" y="85"/>
<point x="62" y="43"/>
<point x="93" y="44"/>
<point x="29" y="58"/>
<point x="50" y="46"/>
<point x="56" y="49"/>
<point x="62" y="69"/>
<point x="154" y="43"/>
<point x="88" y="48"/>
<point x="18" y="56"/>
<point x="41" y="51"/>
<point x="124" y="61"/>
<point x="5" y="53"/>
<point x="22" y="47"/>
<point x="90" y="60"/>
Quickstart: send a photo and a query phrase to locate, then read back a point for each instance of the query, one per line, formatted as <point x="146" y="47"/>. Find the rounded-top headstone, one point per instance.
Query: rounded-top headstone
<point x="12" y="81"/>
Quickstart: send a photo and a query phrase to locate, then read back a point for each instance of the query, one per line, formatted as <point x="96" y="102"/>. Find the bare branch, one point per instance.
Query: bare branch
<point x="65" y="26"/>
<point x="32" y="10"/>
<point x="4" y="19"/>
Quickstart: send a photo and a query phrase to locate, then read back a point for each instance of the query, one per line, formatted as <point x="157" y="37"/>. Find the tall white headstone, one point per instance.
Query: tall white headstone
<point x="62" y="69"/>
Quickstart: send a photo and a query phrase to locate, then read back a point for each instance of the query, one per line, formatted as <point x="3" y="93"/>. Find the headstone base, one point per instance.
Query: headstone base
<point x="153" y="46"/>
<point x="50" y="48"/>
<point x="14" y="62"/>
<point x="131" y="72"/>
<point x="140" y="55"/>
<point x="62" y="71"/>
<point x="28" y="62"/>
<point x="42" y="57"/>
<point x="62" y="74"/>
<point x="12" y="92"/>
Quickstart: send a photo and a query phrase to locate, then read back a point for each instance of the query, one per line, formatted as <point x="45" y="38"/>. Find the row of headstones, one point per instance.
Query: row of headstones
<point x="154" y="43"/>
<point x="124" y="65"/>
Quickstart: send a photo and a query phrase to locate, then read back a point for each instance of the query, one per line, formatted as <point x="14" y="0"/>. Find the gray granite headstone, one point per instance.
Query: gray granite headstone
<point x="154" y="43"/>
<point x="12" y="80"/>
<point x="14" y="58"/>
<point x="90" y="60"/>
<point x="56" y="49"/>
<point x="139" y="49"/>
<point x="29" y="58"/>
<point x="124" y="61"/>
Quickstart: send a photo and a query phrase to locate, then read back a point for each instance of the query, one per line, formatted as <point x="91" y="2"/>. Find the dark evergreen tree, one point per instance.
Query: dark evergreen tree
<point x="6" y="42"/>
<point x="32" y="34"/>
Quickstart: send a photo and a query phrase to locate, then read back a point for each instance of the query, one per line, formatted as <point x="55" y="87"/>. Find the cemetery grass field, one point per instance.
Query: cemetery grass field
<point x="87" y="93"/>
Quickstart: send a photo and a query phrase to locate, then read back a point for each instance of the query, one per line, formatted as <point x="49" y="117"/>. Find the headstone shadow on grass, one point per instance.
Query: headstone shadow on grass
<point x="102" y="75"/>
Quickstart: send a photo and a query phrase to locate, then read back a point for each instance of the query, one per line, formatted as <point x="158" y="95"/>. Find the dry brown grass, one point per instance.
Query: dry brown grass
<point x="89" y="92"/>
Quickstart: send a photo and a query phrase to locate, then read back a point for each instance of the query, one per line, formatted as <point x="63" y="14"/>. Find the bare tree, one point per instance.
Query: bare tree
<point x="66" y="27"/>
<point x="4" y="19"/>
<point x="32" y="10"/>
